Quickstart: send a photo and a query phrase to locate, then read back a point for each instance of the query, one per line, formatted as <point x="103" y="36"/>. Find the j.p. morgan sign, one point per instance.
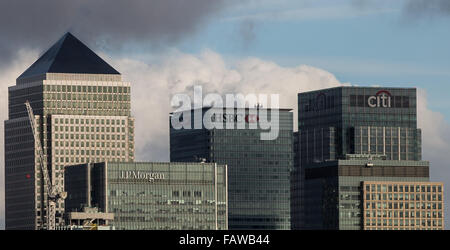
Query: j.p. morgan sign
<point x="141" y="175"/>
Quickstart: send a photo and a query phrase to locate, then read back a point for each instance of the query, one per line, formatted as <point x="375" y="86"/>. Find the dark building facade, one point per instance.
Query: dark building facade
<point x="83" y="113"/>
<point x="258" y="170"/>
<point x="347" y="136"/>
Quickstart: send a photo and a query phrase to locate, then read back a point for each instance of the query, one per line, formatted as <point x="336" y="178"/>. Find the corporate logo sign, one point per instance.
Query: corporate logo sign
<point x="382" y="99"/>
<point x="226" y="114"/>
<point x="250" y="118"/>
<point x="141" y="175"/>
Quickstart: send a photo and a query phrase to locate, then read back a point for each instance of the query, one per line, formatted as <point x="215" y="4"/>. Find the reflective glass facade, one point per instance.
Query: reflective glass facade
<point x="349" y="135"/>
<point x="258" y="170"/>
<point x="339" y="121"/>
<point x="152" y="196"/>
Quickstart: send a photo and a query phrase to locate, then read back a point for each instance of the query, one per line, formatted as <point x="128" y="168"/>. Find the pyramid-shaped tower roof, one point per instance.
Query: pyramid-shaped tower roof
<point x="69" y="55"/>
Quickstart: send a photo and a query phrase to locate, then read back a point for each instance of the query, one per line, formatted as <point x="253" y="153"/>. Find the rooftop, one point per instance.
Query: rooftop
<point x="69" y="55"/>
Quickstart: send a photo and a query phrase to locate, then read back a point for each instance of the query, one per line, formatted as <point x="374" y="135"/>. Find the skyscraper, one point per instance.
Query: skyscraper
<point x="356" y="148"/>
<point x="258" y="170"/>
<point x="82" y="110"/>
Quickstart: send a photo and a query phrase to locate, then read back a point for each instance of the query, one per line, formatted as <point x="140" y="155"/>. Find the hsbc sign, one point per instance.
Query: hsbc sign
<point x="250" y="118"/>
<point x="382" y="99"/>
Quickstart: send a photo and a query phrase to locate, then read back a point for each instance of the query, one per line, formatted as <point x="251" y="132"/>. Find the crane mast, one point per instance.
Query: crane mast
<point x="53" y="194"/>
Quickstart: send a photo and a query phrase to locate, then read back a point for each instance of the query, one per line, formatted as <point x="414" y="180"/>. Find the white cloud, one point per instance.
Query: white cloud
<point x="435" y="144"/>
<point x="154" y="84"/>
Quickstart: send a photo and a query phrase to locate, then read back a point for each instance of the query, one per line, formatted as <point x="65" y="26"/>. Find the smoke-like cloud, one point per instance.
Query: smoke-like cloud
<point x="36" y="24"/>
<point x="154" y="84"/>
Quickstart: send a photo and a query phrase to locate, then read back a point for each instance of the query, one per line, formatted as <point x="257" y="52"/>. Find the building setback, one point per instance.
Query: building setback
<point x="258" y="170"/>
<point x="351" y="136"/>
<point x="82" y="108"/>
<point x="151" y="196"/>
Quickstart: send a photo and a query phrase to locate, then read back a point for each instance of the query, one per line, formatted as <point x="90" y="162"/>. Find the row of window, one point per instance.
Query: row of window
<point x="403" y="205"/>
<point x="89" y="121"/>
<point x="389" y="131"/>
<point x="401" y="196"/>
<point x="86" y="97"/>
<point x="403" y="223"/>
<point x="403" y="188"/>
<point x="401" y="214"/>
<point x="91" y="152"/>
<point x="91" y="129"/>
<point x="89" y="144"/>
<point x="87" y="105"/>
<point x="86" y="89"/>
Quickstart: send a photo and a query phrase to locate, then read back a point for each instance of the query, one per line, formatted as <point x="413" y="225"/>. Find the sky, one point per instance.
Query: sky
<point x="164" y="47"/>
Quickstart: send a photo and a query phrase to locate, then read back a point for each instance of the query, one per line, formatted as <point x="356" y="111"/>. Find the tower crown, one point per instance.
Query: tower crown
<point x="69" y="55"/>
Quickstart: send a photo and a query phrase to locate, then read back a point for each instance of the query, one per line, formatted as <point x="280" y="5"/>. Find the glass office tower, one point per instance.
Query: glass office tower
<point x="258" y="170"/>
<point x="151" y="195"/>
<point x="348" y="136"/>
<point x="82" y="109"/>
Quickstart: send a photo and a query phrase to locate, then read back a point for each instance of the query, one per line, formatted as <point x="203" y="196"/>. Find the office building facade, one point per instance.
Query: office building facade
<point x="348" y="136"/>
<point x="82" y="110"/>
<point x="258" y="170"/>
<point x="402" y="205"/>
<point x="151" y="196"/>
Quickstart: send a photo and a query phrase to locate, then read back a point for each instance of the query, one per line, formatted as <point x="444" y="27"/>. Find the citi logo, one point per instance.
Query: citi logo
<point x="382" y="99"/>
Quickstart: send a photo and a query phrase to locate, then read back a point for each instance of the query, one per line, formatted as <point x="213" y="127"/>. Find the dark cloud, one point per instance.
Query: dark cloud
<point x="37" y="24"/>
<point x="412" y="8"/>
<point x="428" y="7"/>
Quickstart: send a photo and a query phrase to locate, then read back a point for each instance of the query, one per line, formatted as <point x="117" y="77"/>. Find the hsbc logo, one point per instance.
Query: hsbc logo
<point x="382" y="99"/>
<point x="251" y="118"/>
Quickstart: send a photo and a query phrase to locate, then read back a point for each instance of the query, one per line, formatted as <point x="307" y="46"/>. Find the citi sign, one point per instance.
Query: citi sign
<point x="382" y="99"/>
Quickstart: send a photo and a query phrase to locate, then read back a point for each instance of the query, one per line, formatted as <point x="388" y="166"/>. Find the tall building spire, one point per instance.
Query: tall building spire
<point x="69" y="55"/>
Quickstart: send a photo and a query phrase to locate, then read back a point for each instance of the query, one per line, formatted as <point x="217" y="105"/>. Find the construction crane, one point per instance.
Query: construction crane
<point x="53" y="194"/>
